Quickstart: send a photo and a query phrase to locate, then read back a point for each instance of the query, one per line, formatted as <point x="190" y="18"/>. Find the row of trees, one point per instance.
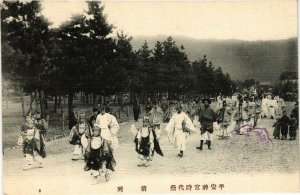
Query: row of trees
<point x="81" y="55"/>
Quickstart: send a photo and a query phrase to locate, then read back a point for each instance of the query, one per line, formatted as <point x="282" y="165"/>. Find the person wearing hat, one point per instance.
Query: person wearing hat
<point x="77" y="131"/>
<point x="72" y="118"/>
<point x="179" y="128"/>
<point x="207" y="118"/>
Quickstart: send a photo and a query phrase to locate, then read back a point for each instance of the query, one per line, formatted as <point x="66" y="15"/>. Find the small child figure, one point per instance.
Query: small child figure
<point x="276" y="132"/>
<point x="293" y="128"/>
<point x="284" y="125"/>
<point x="144" y="142"/>
<point x="32" y="147"/>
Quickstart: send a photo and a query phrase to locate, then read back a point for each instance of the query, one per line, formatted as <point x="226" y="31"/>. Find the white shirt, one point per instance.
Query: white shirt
<point x="178" y="119"/>
<point x="108" y="125"/>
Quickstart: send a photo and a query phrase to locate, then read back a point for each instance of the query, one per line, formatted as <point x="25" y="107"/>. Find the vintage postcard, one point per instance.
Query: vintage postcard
<point x="149" y="97"/>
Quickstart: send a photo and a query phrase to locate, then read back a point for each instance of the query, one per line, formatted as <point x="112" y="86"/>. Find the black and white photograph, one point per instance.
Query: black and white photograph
<point x="149" y="97"/>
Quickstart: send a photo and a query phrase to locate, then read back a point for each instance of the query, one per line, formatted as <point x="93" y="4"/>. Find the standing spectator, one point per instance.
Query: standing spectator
<point x="219" y="101"/>
<point x="257" y="111"/>
<point x="224" y="118"/>
<point x="148" y="105"/>
<point x="276" y="126"/>
<point x="252" y="111"/>
<point x="207" y="117"/>
<point x="164" y="104"/>
<point x="72" y="118"/>
<point x="294" y="121"/>
<point x="93" y="117"/>
<point x="293" y="128"/>
<point x="284" y="125"/>
<point x="136" y="110"/>
<point x="295" y="112"/>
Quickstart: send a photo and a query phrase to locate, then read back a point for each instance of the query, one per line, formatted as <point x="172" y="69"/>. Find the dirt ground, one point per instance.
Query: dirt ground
<point x="241" y="163"/>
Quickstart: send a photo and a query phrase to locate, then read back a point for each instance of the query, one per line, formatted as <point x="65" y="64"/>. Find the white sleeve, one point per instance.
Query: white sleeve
<point x="189" y="123"/>
<point x="170" y="125"/>
<point x="97" y="123"/>
<point x="114" y="126"/>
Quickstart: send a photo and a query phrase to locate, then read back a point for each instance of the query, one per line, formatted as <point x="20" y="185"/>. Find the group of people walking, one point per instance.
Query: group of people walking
<point x="95" y="139"/>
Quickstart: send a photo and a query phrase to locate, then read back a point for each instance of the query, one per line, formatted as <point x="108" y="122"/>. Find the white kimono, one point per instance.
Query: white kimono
<point x="109" y="127"/>
<point x="175" y="130"/>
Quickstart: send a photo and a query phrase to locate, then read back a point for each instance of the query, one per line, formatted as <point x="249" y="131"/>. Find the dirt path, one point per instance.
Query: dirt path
<point x="237" y="156"/>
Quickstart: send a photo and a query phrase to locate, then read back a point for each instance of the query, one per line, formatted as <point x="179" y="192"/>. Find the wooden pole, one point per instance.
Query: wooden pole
<point x="62" y="114"/>
<point x="22" y="101"/>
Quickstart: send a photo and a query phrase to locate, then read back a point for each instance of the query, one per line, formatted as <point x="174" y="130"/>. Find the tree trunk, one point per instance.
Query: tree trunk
<point x="22" y="101"/>
<point x="55" y="103"/>
<point x="45" y="101"/>
<point x="62" y="105"/>
<point x="70" y="101"/>
<point x="36" y="99"/>
<point x="94" y="99"/>
<point x="102" y="100"/>
<point x="131" y="97"/>
<point x="32" y="97"/>
<point x="42" y="104"/>
<point x="127" y="110"/>
<point x="87" y="98"/>
<point x="115" y="97"/>
<point x="59" y="100"/>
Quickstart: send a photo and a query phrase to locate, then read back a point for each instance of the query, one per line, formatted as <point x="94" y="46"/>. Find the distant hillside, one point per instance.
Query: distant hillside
<point x="261" y="60"/>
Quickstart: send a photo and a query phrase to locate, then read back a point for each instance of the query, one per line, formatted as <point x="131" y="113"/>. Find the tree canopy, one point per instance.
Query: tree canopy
<point x="83" y="55"/>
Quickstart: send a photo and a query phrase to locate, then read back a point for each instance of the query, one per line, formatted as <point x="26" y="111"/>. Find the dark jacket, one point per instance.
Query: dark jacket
<point x="207" y="117"/>
<point x="72" y="119"/>
<point x="295" y="114"/>
<point x="93" y="117"/>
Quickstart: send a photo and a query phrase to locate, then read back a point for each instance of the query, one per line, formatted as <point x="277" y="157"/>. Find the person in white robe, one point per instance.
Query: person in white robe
<point x="179" y="128"/>
<point x="108" y="125"/>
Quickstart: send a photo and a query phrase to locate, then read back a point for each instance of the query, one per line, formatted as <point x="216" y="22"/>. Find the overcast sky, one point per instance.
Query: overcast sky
<point x="246" y="20"/>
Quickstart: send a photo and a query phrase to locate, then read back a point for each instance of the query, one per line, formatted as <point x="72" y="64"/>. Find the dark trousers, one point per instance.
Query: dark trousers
<point x="136" y="114"/>
<point x="284" y="132"/>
